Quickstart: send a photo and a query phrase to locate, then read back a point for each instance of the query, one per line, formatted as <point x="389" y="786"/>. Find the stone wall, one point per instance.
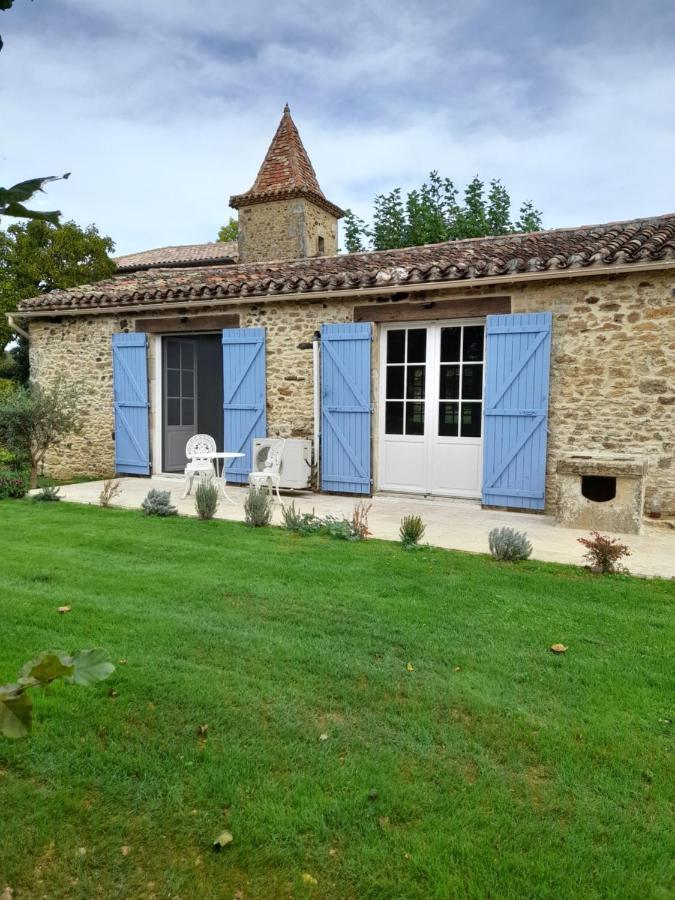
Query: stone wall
<point x="80" y="349"/>
<point x="285" y="229"/>
<point x="612" y="371"/>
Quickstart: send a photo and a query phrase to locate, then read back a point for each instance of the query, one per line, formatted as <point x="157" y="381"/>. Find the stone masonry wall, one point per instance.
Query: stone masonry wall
<point x="285" y="229"/>
<point x="612" y="385"/>
<point x="612" y="371"/>
<point x="80" y="349"/>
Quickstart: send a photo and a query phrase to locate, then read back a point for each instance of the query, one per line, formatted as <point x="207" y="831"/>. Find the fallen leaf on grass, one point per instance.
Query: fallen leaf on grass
<point x="332" y="851"/>
<point x="202" y="729"/>
<point x="384" y="821"/>
<point x="63" y="609"/>
<point x="558" y="648"/>
<point x="309" y="879"/>
<point x="125" y="850"/>
<point x="410" y="667"/>
<point x="457" y="669"/>
<point x="323" y="737"/>
<point x="223" y="839"/>
<point x="112" y="693"/>
<point x="122" y="662"/>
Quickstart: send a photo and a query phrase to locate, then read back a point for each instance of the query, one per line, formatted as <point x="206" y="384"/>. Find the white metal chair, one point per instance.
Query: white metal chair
<point x="199" y="451"/>
<point x="270" y="475"/>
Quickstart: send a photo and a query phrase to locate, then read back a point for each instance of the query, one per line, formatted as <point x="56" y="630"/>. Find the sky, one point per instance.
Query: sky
<point x="162" y="109"/>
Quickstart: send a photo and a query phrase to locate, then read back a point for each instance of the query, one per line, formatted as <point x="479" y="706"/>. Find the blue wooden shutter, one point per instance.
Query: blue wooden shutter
<point x="243" y="396"/>
<point x="130" y="392"/>
<point x="345" y="408"/>
<point x="516" y="406"/>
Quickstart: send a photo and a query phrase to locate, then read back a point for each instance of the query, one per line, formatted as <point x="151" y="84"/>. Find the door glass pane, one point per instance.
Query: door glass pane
<point x="396" y="346"/>
<point x="187" y="356"/>
<point x="471" y="416"/>
<point x="415" y="383"/>
<point x="188" y="383"/>
<point x="472" y="382"/>
<point x="393" y="417"/>
<point x="417" y="345"/>
<point x="449" y="389"/>
<point x="473" y="343"/>
<point x="188" y="412"/>
<point x="173" y="412"/>
<point x="172" y="383"/>
<point x="414" y="418"/>
<point x="448" y="419"/>
<point x="173" y="355"/>
<point x="450" y="341"/>
<point x="395" y="381"/>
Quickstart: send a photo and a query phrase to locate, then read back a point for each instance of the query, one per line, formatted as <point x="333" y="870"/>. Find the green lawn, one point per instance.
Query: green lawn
<point x="493" y="769"/>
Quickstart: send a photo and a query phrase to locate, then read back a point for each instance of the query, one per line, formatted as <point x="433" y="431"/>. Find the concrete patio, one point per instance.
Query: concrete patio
<point x="453" y="524"/>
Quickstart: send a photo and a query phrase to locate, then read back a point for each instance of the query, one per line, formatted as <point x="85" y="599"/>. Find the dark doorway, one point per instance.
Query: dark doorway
<point x="192" y="379"/>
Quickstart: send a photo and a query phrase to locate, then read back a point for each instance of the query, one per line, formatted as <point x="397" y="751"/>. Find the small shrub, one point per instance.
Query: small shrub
<point x="359" y="523"/>
<point x="509" y="545"/>
<point x="603" y="553"/>
<point x="411" y="531"/>
<point x="48" y="494"/>
<point x="158" y="503"/>
<point x="206" y="499"/>
<point x="111" y="488"/>
<point x="12" y="486"/>
<point x="258" y="507"/>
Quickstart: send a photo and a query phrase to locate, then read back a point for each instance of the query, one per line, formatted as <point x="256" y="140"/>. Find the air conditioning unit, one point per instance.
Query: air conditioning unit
<point x="296" y="460"/>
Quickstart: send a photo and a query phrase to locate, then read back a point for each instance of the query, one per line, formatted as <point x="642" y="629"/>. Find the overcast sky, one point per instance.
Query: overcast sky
<point x="161" y="109"/>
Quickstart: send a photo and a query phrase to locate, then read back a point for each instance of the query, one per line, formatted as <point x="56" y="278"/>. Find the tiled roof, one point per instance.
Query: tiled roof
<point x="589" y="249"/>
<point x="185" y="255"/>
<point x="286" y="172"/>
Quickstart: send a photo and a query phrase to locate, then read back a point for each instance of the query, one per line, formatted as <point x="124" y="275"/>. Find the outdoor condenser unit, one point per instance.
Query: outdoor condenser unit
<point x="296" y="461"/>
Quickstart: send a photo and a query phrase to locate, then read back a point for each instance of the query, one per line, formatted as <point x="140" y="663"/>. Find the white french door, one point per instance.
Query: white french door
<point x="431" y="408"/>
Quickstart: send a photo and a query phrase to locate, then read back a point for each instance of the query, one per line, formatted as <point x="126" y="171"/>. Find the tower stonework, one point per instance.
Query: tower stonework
<point x="285" y="215"/>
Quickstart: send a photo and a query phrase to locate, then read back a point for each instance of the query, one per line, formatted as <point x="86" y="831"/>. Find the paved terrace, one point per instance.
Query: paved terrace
<point x="453" y="524"/>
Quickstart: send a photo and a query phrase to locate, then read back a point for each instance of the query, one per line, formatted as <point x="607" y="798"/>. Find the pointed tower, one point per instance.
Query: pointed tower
<point x="285" y="215"/>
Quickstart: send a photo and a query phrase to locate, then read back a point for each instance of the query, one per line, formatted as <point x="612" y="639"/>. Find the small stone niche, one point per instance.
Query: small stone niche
<point x="603" y="493"/>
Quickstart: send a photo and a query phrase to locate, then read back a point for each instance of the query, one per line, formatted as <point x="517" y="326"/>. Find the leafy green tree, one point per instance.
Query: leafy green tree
<point x="37" y="257"/>
<point x="433" y="213"/>
<point x="355" y="232"/>
<point x="34" y="418"/>
<point x="229" y="232"/>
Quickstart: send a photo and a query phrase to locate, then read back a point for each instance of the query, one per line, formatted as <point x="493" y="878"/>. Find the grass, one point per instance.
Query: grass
<point x="492" y="769"/>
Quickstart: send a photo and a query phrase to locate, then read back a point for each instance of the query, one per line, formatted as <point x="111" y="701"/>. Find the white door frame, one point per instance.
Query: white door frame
<point x="430" y="415"/>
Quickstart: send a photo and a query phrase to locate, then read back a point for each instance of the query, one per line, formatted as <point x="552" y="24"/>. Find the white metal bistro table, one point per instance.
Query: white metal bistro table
<point x="219" y="462"/>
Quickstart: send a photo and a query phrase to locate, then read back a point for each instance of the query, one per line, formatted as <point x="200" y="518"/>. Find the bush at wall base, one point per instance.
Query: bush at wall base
<point x="12" y="485"/>
<point x="158" y="503"/>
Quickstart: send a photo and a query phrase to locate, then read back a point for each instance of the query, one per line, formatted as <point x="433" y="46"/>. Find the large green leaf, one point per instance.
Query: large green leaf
<point x="13" y="198"/>
<point x="46" y="667"/>
<point x="15" y="711"/>
<point x="91" y="666"/>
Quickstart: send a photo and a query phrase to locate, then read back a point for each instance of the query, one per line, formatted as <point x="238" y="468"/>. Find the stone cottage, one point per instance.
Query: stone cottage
<point x="529" y="371"/>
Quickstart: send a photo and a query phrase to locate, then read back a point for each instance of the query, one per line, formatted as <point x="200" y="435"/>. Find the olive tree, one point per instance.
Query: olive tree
<point x="33" y="419"/>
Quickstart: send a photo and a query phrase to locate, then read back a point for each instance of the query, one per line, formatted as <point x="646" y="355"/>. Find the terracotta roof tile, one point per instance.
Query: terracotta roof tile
<point x="589" y="248"/>
<point x="286" y="172"/>
<point x="184" y="255"/>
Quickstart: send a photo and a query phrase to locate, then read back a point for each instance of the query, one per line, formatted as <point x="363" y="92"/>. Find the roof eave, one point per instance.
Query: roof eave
<point x="457" y="284"/>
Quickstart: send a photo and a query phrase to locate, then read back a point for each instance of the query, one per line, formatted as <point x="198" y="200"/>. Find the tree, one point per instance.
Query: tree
<point x="355" y="229"/>
<point x="36" y="257"/>
<point x="34" y="418"/>
<point x="432" y="213"/>
<point x="229" y="232"/>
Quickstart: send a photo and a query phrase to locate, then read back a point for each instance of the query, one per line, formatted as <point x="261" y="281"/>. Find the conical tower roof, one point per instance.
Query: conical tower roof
<point x="286" y="172"/>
